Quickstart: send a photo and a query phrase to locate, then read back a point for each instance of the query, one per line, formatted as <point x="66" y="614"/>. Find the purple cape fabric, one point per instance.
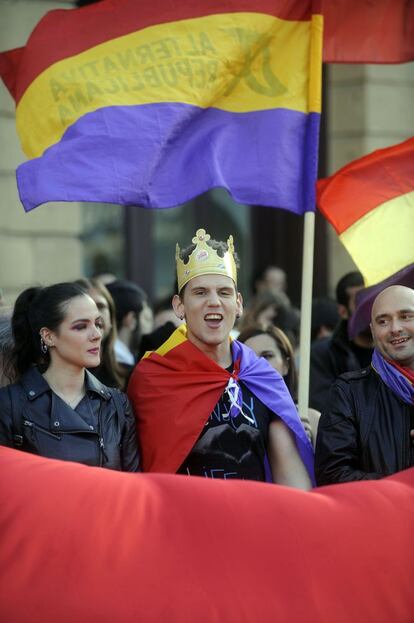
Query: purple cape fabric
<point x="393" y="378"/>
<point x="269" y="387"/>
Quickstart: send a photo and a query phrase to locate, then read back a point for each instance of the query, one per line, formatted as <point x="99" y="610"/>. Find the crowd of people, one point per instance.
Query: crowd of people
<point x="208" y="386"/>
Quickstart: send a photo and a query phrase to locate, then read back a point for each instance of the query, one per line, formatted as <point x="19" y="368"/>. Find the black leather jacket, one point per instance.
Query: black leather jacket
<point x="100" y="432"/>
<point x="364" y="433"/>
<point x="329" y="358"/>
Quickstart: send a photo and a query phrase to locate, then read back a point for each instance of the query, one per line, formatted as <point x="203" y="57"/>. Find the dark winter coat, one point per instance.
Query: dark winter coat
<point x="364" y="431"/>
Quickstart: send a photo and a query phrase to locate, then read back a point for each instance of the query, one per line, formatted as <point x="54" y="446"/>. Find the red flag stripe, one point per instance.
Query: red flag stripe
<point x="63" y="33"/>
<point x="365" y="184"/>
<point x="362" y="31"/>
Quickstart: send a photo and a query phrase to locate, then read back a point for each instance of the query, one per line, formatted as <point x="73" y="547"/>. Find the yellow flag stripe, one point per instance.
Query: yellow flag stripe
<point x="237" y="62"/>
<point x="382" y="241"/>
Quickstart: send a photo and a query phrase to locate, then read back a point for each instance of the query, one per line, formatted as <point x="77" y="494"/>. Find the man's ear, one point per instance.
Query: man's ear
<point x="239" y="305"/>
<point x="178" y="307"/>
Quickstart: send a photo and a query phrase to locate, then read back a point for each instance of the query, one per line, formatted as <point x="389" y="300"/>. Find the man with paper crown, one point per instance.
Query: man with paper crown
<point x="206" y="405"/>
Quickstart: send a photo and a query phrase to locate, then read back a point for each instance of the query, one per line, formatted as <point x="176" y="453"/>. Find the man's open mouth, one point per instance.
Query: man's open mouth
<point x="213" y="318"/>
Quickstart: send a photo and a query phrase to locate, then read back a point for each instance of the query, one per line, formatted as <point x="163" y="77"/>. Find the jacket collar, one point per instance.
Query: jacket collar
<point x="93" y="384"/>
<point x="35" y="385"/>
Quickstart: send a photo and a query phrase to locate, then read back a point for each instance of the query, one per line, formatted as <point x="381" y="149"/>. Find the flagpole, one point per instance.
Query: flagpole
<point x="306" y="312"/>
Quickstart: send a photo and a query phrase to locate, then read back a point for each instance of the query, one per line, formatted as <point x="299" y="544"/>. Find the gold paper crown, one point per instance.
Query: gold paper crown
<point x="204" y="260"/>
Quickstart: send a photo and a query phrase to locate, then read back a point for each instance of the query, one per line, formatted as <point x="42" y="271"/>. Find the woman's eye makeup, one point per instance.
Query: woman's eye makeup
<point x="84" y="325"/>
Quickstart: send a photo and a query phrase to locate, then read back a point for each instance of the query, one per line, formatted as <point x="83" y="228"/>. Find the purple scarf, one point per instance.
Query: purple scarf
<point x="270" y="388"/>
<point x="393" y="378"/>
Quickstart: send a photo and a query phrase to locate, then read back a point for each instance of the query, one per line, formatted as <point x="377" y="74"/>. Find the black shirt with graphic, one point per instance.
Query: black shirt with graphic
<point x="232" y="447"/>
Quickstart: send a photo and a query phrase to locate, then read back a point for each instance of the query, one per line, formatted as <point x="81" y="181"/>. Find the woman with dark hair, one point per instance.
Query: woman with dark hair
<point x="273" y="345"/>
<point x="56" y="408"/>
<point x="109" y="371"/>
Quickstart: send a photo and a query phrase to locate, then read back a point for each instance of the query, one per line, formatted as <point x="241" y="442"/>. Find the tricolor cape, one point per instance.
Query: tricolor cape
<point x="97" y="546"/>
<point x="174" y="390"/>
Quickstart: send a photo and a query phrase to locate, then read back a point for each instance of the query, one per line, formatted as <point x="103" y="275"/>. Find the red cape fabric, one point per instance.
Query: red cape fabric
<point x="93" y="545"/>
<point x="175" y="389"/>
<point x="162" y="403"/>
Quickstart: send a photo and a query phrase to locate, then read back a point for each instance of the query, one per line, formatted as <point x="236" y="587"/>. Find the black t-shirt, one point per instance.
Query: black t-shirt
<point x="232" y="447"/>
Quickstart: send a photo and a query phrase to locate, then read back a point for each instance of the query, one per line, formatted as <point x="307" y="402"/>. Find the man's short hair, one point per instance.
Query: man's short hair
<point x="128" y="296"/>
<point x="350" y="280"/>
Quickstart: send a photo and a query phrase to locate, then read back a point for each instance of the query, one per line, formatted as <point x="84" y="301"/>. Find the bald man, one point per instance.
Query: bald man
<point x="367" y="430"/>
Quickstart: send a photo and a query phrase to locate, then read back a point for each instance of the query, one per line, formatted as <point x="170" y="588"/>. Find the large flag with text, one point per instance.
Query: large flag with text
<point x="370" y="203"/>
<point x="151" y="104"/>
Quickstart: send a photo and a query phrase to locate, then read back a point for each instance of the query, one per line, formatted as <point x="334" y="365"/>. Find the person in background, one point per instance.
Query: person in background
<point x="104" y="278"/>
<point x="366" y="431"/>
<point x="263" y="310"/>
<point x="133" y="320"/>
<point x="165" y="323"/>
<point x="325" y="317"/>
<point x="337" y="354"/>
<point x="271" y="279"/>
<point x="268" y="309"/>
<point x="273" y="345"/>
<point x="109" y="371"/>
<point x="56" y="408"/>
<point x="164" y="313"/>
<point x="206" y="405"/>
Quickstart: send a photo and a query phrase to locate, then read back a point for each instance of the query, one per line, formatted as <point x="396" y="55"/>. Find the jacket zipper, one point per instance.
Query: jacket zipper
<point x="59" y="435"/>
<point x="40" y="429"/>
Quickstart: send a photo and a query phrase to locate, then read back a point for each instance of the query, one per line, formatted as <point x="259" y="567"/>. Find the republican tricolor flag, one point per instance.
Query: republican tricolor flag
<point x="370" y="203"/>
<point x="153" y="103"/>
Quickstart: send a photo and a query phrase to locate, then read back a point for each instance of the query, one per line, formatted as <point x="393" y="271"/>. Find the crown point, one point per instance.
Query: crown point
<point x="230" y="244"/>
<point x="201" y="236"/>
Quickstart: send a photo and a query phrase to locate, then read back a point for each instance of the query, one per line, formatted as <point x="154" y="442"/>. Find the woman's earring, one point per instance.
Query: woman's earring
<point x="43" y="346"/>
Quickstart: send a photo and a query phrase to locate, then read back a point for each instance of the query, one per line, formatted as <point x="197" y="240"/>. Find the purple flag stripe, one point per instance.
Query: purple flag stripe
<point x="161" y="155"/>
